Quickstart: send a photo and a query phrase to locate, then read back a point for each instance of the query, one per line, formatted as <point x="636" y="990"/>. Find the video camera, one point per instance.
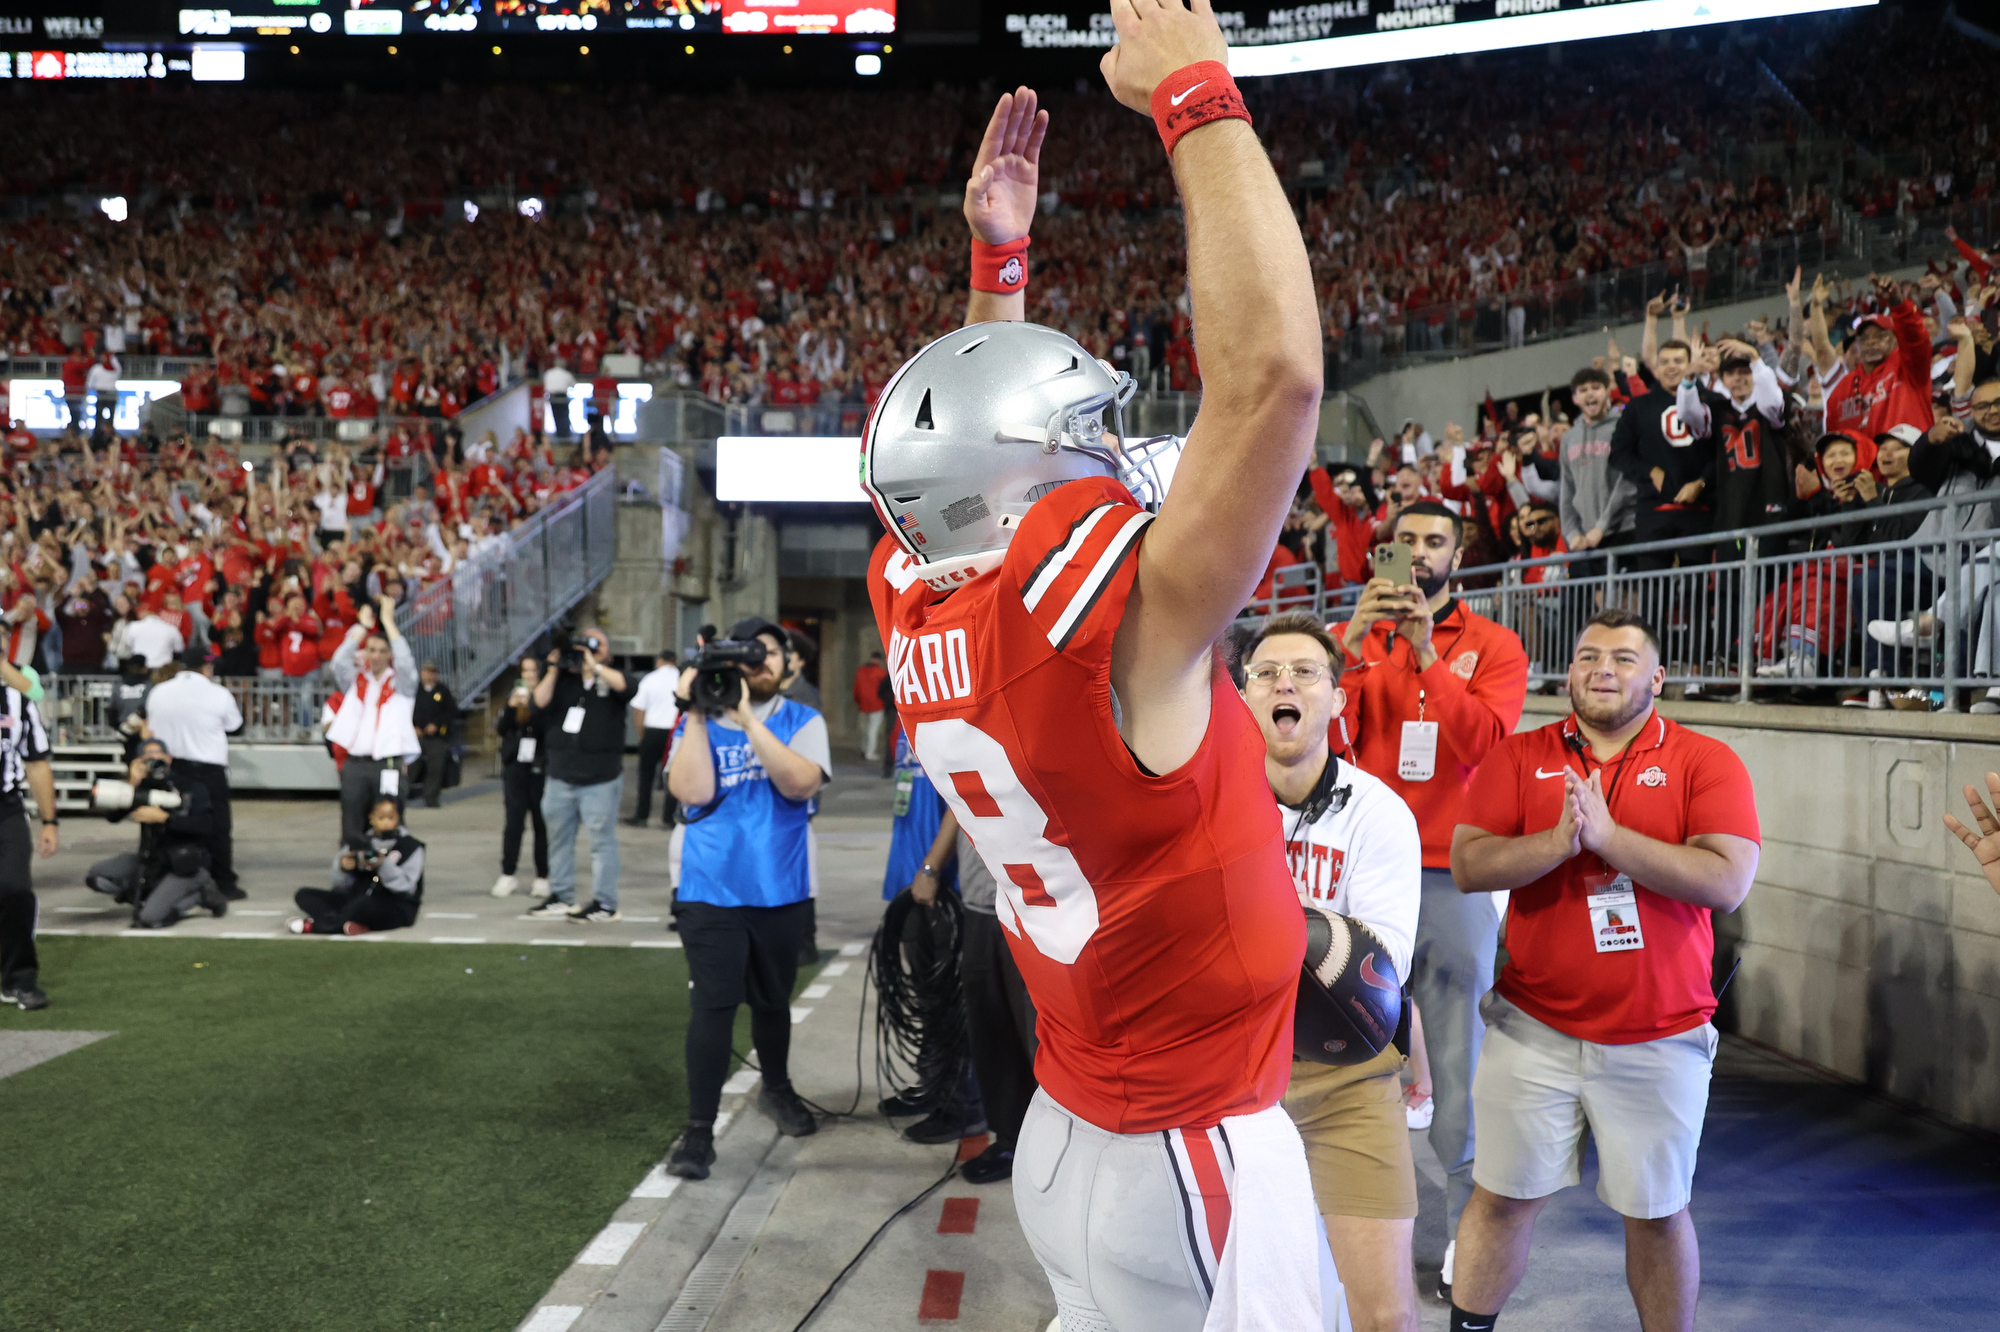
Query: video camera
<point x="571" y="652"/>
<point x="719" y="669"/>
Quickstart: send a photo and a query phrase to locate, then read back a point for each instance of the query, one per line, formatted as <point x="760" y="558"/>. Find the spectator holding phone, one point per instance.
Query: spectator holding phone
<point x="1430" y="688"/>
<point x="524" y="765"/>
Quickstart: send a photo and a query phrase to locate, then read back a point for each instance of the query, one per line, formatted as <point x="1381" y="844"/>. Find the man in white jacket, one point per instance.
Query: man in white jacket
<point x="1354" y="849"/>
<point x="377" y="677"/>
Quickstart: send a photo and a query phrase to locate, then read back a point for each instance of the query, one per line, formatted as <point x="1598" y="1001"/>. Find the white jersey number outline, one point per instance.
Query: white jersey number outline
<point x="1043" y="893"/>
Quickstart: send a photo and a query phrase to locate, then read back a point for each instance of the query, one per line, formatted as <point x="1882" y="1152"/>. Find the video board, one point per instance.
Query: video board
<point x="1331" y="34"/>
<point x="397" y="18"/>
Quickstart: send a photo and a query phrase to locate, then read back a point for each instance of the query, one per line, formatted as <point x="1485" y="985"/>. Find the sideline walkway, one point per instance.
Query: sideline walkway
<point x="1819" y="1207"/>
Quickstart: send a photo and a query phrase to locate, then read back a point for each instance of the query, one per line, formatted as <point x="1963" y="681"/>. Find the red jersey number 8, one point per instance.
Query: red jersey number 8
<point x="1043" y="893"/>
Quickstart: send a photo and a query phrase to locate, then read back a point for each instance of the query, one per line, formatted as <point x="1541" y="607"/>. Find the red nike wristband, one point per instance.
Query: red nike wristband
<point x="1189" y="98"/>
<point x="1000" y="268"/>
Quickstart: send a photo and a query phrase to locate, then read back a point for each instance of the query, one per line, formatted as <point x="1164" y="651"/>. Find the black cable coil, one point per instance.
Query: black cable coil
<point x="921" y="1047"/>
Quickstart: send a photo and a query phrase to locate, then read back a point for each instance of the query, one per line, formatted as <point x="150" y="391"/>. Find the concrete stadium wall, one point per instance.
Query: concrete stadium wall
<point x="1870" y="944"/>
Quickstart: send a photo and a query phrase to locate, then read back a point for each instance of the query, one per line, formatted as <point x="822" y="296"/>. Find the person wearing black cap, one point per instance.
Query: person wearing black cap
<point x="434" y="713"/>
<point x="195" y="717"/>
<point x="746" y="778"/>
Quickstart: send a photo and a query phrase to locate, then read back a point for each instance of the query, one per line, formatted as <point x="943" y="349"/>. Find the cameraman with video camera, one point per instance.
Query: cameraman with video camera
<point x="582" y="704"/>
<point x="168" y="876"/>
<point x="745" y="767"/>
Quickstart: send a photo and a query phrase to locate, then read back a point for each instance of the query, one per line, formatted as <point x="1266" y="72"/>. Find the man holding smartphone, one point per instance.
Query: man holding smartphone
<point x="1431" y="687"/>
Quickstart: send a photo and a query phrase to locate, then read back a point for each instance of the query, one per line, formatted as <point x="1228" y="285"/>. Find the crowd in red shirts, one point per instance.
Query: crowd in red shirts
<point x="784" y="248"/>
<point x="267" y="565"/>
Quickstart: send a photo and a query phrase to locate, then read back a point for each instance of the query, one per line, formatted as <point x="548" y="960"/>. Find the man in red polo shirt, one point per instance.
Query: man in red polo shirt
<point x="1618" y="833"/>
<point x="1431" y="688"/>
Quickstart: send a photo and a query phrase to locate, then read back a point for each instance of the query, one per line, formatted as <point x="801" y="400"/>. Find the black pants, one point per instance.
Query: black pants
<point x="214" y="778"/>
<point x="360" y="788"/>
<point x="738" y="955"/>
<point x="653" y="742"/>
<point x="521" y="788"/>
<point x="436" y="749"/>
<point x="1000" y="1022"/>
<point x="1667" y="525"/>
<point x="18" y="963"/>
<point x="367" y="905"/>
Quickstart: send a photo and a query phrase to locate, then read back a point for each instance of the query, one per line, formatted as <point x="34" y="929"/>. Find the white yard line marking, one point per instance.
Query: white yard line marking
<point x="835" y="969"/>
<point x="855" y="949"/>
<point x="800" y="1014"/>
<point x="741" y="1081"/>
<point x="816" y="992"/>
<point x="608" y="1249"/>
<point x="246" y="934"/>
<point x="553" y="1318"/>
<point x="90" y="911"/>
<point x="444" y="938"/>
<point x="141" y="934"/>
<point x="449" y="915"/>
<point x="643" y="920"/>
<point x="555" y="943"/>
<point x="656" y="943"/>
<point x="657" y="1184"/>
<point x="40" y="933"/>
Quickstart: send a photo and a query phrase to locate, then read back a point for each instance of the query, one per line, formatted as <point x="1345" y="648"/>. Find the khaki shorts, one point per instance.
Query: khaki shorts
<point x="1357" y="1136"/>
<point x="1537" y="1090"/>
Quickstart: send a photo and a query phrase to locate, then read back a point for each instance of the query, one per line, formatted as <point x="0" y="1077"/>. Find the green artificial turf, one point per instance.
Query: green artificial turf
<point x="300" y="1135"/>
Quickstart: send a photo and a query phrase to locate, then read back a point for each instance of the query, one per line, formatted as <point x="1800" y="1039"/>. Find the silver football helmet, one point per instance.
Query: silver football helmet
<point x="982" y="423"/>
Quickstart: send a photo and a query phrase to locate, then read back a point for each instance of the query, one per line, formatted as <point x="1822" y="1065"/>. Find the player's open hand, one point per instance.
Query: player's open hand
<point x="1984" y="844"/>
<point x="1006" y="176"/>
<point x="1155" y="38"/>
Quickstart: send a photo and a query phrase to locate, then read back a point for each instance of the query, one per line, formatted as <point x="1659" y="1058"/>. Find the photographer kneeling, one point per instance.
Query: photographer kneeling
<point x="745" y="767"/>
<point x="378" y="881"/>
<point x="168" y="876"/>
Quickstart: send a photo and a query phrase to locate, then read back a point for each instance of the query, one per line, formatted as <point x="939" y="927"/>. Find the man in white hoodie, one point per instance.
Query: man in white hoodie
<point x="377" y="677"/>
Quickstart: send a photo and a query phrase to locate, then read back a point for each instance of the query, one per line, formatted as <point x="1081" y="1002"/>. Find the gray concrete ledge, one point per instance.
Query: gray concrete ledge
<point x="1786" y="717"/>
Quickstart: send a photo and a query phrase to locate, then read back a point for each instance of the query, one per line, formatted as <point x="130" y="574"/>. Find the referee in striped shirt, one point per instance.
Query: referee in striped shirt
<point x="24" y="766"/>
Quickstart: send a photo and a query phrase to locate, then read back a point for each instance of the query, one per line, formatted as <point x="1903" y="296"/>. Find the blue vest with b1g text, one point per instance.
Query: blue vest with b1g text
<point x="754" y="849"/>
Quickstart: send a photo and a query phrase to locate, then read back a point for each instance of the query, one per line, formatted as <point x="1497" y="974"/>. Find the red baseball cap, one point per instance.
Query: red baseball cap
<point x="1881" y="321"/>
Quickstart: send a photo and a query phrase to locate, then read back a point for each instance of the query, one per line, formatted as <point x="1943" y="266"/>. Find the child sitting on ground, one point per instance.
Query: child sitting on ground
<point x="378" y="882"/>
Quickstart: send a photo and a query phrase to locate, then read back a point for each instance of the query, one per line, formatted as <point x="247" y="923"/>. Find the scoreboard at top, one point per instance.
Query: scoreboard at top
<point x="397" y="18"/>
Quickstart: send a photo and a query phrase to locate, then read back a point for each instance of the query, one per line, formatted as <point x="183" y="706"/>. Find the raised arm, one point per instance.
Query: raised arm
<point x="1000" y="196"/>
<point x="1261" y="363"/>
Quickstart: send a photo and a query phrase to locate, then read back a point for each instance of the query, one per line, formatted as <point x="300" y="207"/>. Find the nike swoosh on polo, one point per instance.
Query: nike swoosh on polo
<point x="1182" y="96"/>
<point x="1557" y="773"/>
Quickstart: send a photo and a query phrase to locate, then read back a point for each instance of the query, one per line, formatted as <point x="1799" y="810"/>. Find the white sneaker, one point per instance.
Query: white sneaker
<point x="1987" y="706"/>
<point x="1444" y="1277"/>
<point x="299" y="925"/>
<point x="540" y="888"/>
<point x="1893" y="633"/>
<point x="1418" y="1114"/>
<point x="555" y="906"/>
<point x="505" y="885"/>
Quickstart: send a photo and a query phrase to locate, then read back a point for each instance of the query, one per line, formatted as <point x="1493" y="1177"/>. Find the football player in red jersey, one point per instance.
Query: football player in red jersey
<point x="1051" y="639"/>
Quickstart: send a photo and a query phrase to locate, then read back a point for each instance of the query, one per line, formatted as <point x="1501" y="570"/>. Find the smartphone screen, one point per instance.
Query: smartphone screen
<point x="1392" y="561"/>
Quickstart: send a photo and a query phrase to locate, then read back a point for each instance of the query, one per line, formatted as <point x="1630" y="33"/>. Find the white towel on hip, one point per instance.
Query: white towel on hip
<point x="1275" y="1271"/>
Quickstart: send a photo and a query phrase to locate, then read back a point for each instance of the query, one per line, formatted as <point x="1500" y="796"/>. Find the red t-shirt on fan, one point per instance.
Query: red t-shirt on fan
<point x="1153" y="918"/>
<point x="1582" y="967"/>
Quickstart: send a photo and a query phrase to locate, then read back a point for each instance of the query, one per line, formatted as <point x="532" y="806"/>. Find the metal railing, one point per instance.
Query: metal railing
<point x="1783" y="607"/>
<point x="497" y="603"/>
<point x="131" y="365"/>
<point x="275" y="712"/>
